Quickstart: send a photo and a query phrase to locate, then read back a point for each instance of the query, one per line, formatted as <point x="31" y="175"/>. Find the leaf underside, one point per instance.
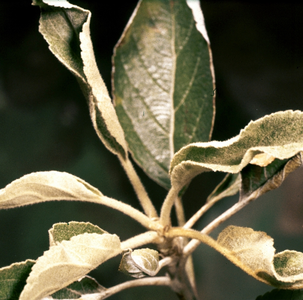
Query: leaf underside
<point x="65" y="27"/>
<point x="163" y="86"/>
<point x="253" y="252"/>
<point x="66" y="262"/>
<point x="81" y="287"/>
<point x="279" y="135"/>
<point x="47" y="186"/>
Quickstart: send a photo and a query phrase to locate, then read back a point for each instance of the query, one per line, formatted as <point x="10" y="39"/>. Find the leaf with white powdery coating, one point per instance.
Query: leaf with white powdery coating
<point x="13" y="279"/>
<point x="279" y="135"/>
<point x="257" y="180"/>
<point x="47" y="186"/>
<point x="65" y="27"/>
<point x="253" y="252"/>
<point x="163" y="84"/>
<point x="68" y="261"/>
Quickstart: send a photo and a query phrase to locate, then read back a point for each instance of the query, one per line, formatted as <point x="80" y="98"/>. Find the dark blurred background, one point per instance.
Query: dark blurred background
<point x="45" y="125"/>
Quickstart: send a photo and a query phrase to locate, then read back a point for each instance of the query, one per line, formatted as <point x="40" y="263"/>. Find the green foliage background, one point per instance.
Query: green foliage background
<point x="45" y="125"/>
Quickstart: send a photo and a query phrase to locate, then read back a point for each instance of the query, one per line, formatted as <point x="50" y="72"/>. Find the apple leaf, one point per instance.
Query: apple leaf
<point x="65" y="231"/>
<point x="47" y="186"/>
<point x="253" y="251"/>
<point x="163" y="83"/>
<point x="257" y="180"/>
<point x="229" y="186"/>
<point x="68" y="261"/>
<point x="65" y="27"/>
<point x="85" y="286"/>
<point x="13" y="279"/>
<point x="279" y="135"/>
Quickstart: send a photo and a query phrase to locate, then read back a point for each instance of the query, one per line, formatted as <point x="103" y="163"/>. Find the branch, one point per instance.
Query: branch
<point x="192" y="245"/>
<point x="191" y="222"/>
<point x="134" y="283"/>
<point x="180" y="211"/>
<point x="130" y="211"/>
<point x="142" y="195"/>
<point x="141" y="239"/>
<point x="167" y="207"/>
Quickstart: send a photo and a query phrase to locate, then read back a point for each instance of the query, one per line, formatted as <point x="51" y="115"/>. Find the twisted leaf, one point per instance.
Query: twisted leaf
<point x="279" y="135"/>
<point x="47" y="186"/>
<point x="253" y="252"/>
<point x="65" y="27"/>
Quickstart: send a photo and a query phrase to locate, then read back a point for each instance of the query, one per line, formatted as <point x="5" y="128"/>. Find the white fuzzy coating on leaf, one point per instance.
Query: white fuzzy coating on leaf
<point x="47" y="186"/>
<point x="146" y="259"/>
<point x="278" y="135"/>
<point x="68" y="261"/>
<point x="254" y="253"/>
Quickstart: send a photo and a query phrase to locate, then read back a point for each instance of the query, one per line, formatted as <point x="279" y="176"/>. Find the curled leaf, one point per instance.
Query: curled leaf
<point x="262" y="159"/>
<point x="140" y="262"/>
<point x="68" y="261"/>
<point x="229" y="186"/>
<point x="47" y="186"/>
<point x="253" y="252"/>
<point x="256" y="180"/>
<point x="65" y="27"/>
<point x="278" y="135"/>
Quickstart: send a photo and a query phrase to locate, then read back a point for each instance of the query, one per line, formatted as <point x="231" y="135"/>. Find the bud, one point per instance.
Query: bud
<point x="140" y="262"/>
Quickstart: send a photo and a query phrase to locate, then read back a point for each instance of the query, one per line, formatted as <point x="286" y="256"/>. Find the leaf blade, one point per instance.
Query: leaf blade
<point x="65" y="27"/>
<point x="256" y="180"/>
<point x="68" y="261"/>
<point x="278" y="135"/>
<point x="229" y="186"/>
<point x="84" y="286"/>
<point x="13" y="279"/>
<point x="156" y="80"/>
<point x="65" y="231"/>
<point x="254" y="253"/>
<point x="47" y="186"/>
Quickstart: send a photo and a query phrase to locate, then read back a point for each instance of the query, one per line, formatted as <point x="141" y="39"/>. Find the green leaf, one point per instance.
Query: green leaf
<point x="282" y="295"/>
<point x="279" y="135"/>
<point x="65" y="27"/>
<point x="13" y="279"/>
<point x="253" y="252"/>
<point x="68" y="261"/>
<point x="140" y="262"/>
<point x="65" y="231"/>
<point x="47" y="186"/>
<point x="257" y="180"/>
<point x="163" y="84"/>
<point x="229" y="186"/>
<point x="84" y="286"/>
